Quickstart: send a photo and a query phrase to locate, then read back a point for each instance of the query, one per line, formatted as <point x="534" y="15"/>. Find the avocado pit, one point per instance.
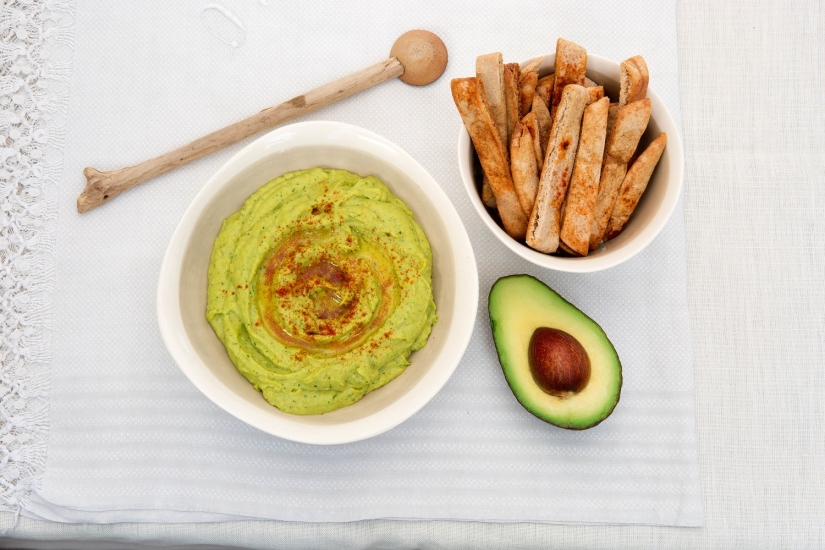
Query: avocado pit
<point x="558" y="362"/>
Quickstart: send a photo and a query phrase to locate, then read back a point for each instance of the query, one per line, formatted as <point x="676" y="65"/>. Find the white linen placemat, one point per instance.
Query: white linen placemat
<point x="132" y="440"/>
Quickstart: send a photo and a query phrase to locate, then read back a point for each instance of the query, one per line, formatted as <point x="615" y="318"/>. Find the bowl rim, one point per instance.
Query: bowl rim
<point x="182" y="350"/>
<point x="588" y="264"/>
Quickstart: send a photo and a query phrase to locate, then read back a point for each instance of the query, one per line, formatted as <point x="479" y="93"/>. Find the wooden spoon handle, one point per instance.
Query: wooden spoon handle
<point x="103" y="186"/>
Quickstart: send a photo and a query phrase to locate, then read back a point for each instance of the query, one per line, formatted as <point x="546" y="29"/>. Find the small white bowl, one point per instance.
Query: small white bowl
<point x="654" y="209"/>
<point x="181" y="298"/>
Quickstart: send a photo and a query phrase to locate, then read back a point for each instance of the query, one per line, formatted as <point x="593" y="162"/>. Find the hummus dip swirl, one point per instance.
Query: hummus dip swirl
<point x="320" y="287"/>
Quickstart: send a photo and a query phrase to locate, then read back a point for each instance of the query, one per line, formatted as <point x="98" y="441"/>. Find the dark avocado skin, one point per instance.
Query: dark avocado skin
<point x="494" y="325"/>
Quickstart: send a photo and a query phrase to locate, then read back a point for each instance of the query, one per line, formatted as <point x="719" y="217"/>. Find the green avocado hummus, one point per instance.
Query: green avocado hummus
<point x="320" y="287"/>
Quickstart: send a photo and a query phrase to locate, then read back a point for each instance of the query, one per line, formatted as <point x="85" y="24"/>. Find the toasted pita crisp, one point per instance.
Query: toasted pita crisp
<point x="531" y="124"/>
<point x="571" y="65"/>
<point x="490" y="71"/>
<point x="595" y="93"/>
<point x="511" y="97"/>
<point x="580" y="206"/>
<point x="485" y="104"/>
<point x="634" y="184"/>
<point x="487" y="196"/>
<point x="630" y="124"/>
<point x="486" y="139"/>
<point x="631" y="121"/>
<point x="511" y="103"/>
<point x="532" y="67"/>
<point x="527" y="88"/>
<point x="544" y="88"/>
<point x="544" y="124"/>
<point x="609" y="183"/>
<point x="633" y="80"/>
<point x="612" y="115"/>
<point x="545" y="219"/>
<point x="524" y="168"/>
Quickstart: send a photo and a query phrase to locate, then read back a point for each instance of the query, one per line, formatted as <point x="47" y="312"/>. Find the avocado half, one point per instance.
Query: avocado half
<point x="520" y="304"/>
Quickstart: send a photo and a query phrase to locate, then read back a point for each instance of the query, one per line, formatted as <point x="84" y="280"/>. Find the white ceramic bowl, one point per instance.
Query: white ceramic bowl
<point x="181" y="298"/>
<point x="654" y="209"/>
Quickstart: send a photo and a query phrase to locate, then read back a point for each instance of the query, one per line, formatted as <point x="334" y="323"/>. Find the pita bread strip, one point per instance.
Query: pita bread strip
<point x="511" y="97"/>
<point x="633" y="80"/>
<point x="595" y="93"/>
<point x="490" y="71"/>
<point x="631" y="121"/>
<point x="527" y="88"/>
<point x="485" y="104"/>
<point x="634" y="184"/>
<point x="580" y="207"/>
<point x="532" y="67"/>
<point x="524" y="168"/>
<point x="544" y="124"/>
<point x="545" y="219"/>
<point x="544" y="88"/>
<point x="487" y="196"/>
<point x="571" y="65"/>
<point x="466" y="94"/>
<point x="609" y="183"/>
<point x="531" y="124"/>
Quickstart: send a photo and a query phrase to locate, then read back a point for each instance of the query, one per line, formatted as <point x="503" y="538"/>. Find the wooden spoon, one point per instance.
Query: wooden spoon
<point x="418" y="57"/>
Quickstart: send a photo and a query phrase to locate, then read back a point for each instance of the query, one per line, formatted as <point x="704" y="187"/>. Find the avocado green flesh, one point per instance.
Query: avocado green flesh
<point x="520" y="304"/>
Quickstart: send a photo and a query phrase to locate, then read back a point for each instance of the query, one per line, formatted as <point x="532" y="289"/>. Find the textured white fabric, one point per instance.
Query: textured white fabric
<point x="35" y="63"/>
<point x="132" y="440"/>
<point x="760" y="406"/>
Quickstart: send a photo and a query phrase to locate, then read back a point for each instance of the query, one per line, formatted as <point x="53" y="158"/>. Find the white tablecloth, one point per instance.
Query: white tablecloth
<point x="753" y="196"/>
